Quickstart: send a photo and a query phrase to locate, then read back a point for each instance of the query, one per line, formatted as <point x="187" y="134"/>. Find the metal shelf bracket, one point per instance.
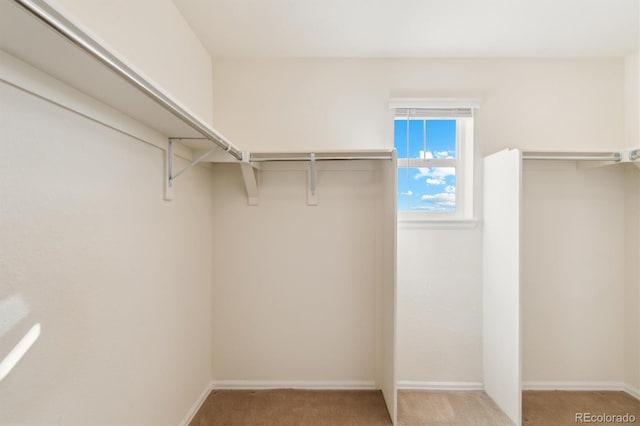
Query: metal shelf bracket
<point x="170" y="176"/>
<point x="250" y="178"/>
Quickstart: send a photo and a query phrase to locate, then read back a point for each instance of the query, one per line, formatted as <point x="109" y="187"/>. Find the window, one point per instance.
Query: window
<point x="435" y="162"/>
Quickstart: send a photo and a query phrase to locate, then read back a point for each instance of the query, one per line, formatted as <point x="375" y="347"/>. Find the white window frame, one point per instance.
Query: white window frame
<point x="463" y="163"/>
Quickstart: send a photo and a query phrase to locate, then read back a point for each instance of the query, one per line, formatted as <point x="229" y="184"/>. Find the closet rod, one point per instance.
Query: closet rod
<point x="71" y="32"/>
<point x="616" y="157"/>
<point x="308" y="158"/>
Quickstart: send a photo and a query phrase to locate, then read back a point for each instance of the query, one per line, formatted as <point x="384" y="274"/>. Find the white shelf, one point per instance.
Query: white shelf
<point x="25" y="37"/>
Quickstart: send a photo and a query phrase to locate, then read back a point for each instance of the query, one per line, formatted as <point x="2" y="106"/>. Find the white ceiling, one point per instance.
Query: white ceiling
<point x="414" y="28"/>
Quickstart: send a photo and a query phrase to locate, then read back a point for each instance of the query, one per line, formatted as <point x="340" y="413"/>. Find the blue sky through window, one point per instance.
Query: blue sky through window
<point x="428" y="189"/>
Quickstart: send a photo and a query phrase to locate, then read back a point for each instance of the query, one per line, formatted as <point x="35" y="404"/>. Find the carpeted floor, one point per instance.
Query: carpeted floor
<point x="468" y="408"/>
<point x="283" y="407"/>
<point x="559" y="408"/>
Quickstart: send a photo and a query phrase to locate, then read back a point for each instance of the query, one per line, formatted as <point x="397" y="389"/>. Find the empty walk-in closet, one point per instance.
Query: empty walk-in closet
<point x="578" y="300"/>
<point x="319" y="213"/>
<point x="572" y="307"/>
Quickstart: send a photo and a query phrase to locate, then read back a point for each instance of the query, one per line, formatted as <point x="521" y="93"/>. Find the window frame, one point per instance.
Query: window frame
<point x="463" y="165"/>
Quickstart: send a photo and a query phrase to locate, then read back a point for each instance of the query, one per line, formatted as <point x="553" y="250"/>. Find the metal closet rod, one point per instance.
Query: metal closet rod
<point x="317" y="158"/>
<point x="71" y="32"/>
<point x="574" y="156"/>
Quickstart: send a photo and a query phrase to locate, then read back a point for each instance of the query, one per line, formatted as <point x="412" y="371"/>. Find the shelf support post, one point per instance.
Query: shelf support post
<point x="168" y="171"/>
<point x="312" y="193"/>
<point x="634" y="157"/>
<point x="250" y="178"/>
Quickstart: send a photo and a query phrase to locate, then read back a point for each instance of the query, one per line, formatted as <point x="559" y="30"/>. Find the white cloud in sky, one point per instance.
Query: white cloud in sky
<point x="436" y="174"/>
<point x="422" y="172"/>
<point x="426" y="155"/>
<point x="444" y="199"/>
<point x="435" y="181"/>
<point x="429" y="155"/>
<point x="408" y="193"/>
<point x="443" y="154"/>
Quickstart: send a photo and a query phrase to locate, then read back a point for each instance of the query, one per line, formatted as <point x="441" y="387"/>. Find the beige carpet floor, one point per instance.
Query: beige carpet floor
<point x="559" y="408"/>
<point x="284" y="407"/>
<point x="459" y="408"/>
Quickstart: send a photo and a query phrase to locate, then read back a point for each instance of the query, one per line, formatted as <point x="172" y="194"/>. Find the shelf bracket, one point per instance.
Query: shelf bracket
<point x="168" y="169"/>
<point x="250" y="178"/>
<point x="170" y="176"/>
<point x="634" y="157"/>
<point x="312" y="192"/>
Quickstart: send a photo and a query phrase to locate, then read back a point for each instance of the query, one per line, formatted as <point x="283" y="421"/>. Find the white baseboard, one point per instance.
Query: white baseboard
<point x="582" y="386"/>
<point x="632" y="391"/>
<point x="296" y="384"/>
<point x="577" y="386"/>
<point x="446" y="386"/>
<point x="196" y="405"/>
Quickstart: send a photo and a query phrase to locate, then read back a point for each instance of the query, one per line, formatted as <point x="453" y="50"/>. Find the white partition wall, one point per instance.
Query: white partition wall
<point x="386" y="365"/>
<point x="501" y="281"/>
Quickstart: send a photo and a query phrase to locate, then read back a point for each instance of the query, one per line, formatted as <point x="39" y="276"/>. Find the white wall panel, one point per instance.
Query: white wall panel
<point x="632" y="101"/>
<point x="501" y="281"/>
<point x="387" y="293"/>
<point x="632" y="278"/>
<point x="632" y="227"/>
<point x="119" y="279"/>
<point x="440" y="304"/>
<point x="295" y="289"/>
<point x="573" y="272"/>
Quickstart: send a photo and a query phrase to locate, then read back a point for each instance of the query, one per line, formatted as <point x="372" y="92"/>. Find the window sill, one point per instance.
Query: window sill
<point x="453" y="223"/>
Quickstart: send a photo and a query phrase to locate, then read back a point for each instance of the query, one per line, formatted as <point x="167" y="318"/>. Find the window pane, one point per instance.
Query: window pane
<point x="400" y="137"/>
<point x="441" y="138"/>
<point x="427" y="189"/>
<point x="416" y="138"/>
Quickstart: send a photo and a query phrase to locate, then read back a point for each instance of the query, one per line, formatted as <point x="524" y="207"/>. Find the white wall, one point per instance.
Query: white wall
<point x="327" y="104"/>
<point x="632" y="278"/>
<point x="153" y="38"/>
<point x="631" y="101"/>
<point x="440" y="305"/>
<point x="119" y="279"/>
<point x="632" y="227"/>
<point x="573" y="273"/>
<point x="295" y="289"/>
